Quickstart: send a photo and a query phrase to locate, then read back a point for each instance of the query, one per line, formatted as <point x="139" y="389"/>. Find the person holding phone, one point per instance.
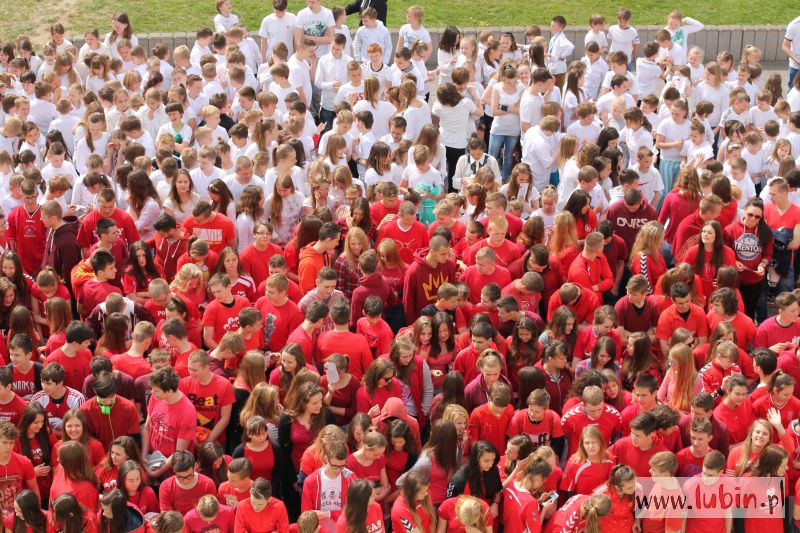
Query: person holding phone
<point x="341" y="388"/>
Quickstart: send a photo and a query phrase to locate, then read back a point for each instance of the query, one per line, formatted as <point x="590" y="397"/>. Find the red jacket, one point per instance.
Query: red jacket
<point x="712" y="378"/>
<point x="583" y="308"/>
<point x="311" y="492"/>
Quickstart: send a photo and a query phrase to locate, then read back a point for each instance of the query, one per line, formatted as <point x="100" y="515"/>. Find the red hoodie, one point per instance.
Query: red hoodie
<point x="422" y="283"/>
<point x="374" y="284"/>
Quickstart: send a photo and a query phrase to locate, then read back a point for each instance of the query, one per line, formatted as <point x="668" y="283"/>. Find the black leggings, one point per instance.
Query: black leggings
<point x="452" y="155"/>
<point x="755" y="300"/>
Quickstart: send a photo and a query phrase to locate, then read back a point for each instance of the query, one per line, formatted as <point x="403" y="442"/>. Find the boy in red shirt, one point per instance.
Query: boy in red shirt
<point x="341" y="340"/>
<point x="580" y="301"/>
<point x="490" y="421"/>
<point x="74" y="355"/>
<point x="306" y="333"/>
<point x="282" y="315"/>
<point x="261" y="513"/>
<point x="18" y="469"/>
<point x="541" y="424"/>
<point x="26" y="373"/>
<point x="590" y="269"/>
<point x="11" y="405"/>
<point x="386" y="193"/>
<point x="407" y="232"/>
<point x="690" y="459"/>
<point x="705" y="485"/>
<point x="160" y="296"/>
<point x="26" y="231"/>
<point x="237" y="488"/>
<point x="724" y="306"/>
<point x="182" y="491"/>
<point x="373" y="283"/>
<point x="222" y="314"/>
<point x="133" y="361"/>
<point x="214" y="228"/>
<point x="95" y="290"/>
<point x="496" y="206"/>
<point x="374" y="328"/>
<point x="107" y="208"/>
<point x="169" y="243"/>
<point x="56" y="398"/>
<point x="251" y="328"/>
<point x="465" y="362"/>
<point x="328" y="485"/>
<point x="447" y="302"/>
<point x="663" y="466"/>
<point x="638" y="448"/>
<point x="211" y="395"/>
<point x="592" y="411"/>
<point x="506" y="251"/>
<point x="483" y="272"/>
<point x="108" y="239"/>
<point x="636" y="311"/>
<point x="527" y="290"/>
<point x="780" y="332"/>
<point x="681" y="314"/>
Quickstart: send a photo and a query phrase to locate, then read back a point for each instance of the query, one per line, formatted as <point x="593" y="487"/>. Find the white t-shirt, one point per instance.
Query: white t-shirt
<point x="407" y="35"/>
<point x="381" y="114"/>
<point x="673" y="132"/>
<point x="649" y="182"/>
<point x="316" y="25"/>
<point x="278" y="30"/>
<point x="453" y="122"/>
<point x="622" y="40"/>
<point x="330" y="492"/>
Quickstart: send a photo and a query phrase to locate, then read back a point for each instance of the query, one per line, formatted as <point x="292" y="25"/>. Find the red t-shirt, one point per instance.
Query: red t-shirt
<point x="575" y="419"/>
<point x="218" y="231"/>
<point x="477" y="281"/>
<point x="352" y="345"/>
<point x="75" y="368"/>
<point x="695" y="524"/>
<point x="506" y="253"/>
<point x="168" y="423"/>
<point x="769" y="333"/>
<point x="688" y="464"/>
<point x="670" y="320"/>
<point x="95" y="292"/>
<point x="520" y="511"/>
<point x="134" y="366"/>
<point x="374" y="520"/>
<point x="12" y="411"/>
<point x="639" y="460"/>
<point x="85" y="492"/>
<point x="28" y="234"/>
<point x="172" y="497"/>
<point x="447" y="512"/>
<point x="222" y="523"/>
<point x="209" y="399"/>
<point x="263" y="461"/>
<point x="585" y="476"/>
<point x="541" y="432"/>
<point x="270" y="519"/>
<point x="378" y="211"/>
<point x="279" y="321"/>
<point x="127" y="227"/>
<point x="231" y="497"/>
<point x="737" y="420"/>
<point x="371" y="473"/>
<point x="485" y="425"/>
<point x="776" y="220"/>
<point x="256" y="262"/>
<point x="224" y="317"/>
<point x="17" y="472"/>
<point x="408" y="242"/>
<point x="379" y="337"/>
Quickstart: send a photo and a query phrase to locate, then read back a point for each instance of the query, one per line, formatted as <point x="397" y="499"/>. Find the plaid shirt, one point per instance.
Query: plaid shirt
<point x="346" y="279"/>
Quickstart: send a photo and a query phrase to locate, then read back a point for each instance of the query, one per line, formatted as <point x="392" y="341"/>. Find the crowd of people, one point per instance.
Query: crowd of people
<point x="270" y="283"/>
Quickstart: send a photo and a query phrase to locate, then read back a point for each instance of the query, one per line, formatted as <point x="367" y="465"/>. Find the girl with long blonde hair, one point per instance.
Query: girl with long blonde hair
<point x="564" y="242"/>
<point x="646" y="258"/>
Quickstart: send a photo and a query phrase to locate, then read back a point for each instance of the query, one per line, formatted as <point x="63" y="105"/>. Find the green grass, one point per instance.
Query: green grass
<point x="150" y="16"/>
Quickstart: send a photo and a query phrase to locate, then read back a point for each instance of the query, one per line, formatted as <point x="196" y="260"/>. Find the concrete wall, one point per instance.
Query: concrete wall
<point x="712" y="39"/>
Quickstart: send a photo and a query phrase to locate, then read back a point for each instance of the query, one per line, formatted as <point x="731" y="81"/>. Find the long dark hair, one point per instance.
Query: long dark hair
<point x="717" y="254"/>
<point x="449" y="39"/>
<point x="42" y="437"/>
<point x="359" y="492"/>
<point x="208" y="453"/>
<point x="218" y="187"/>
<point x="19" y="274"/>
<point x="67" y="512"/>
<point x="452" y="391"/>
<point x="525" y="351"/>
<point x="143" y="275"/>
<point x="32" y="515"/>
<point x="576" y="202"/>
<point x="480" y="483"/>
<point x="442" y="319"/>
<point x="119" y="510"/>
<point x="443" y="445"/>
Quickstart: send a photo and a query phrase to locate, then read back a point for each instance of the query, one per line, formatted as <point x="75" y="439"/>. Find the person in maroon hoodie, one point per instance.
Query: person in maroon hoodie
<point x="431" y="268"/>
<point x="372" y="283"/>
<point x="750" y="238"/>
<point x="630" y="214"/>
<point x="62" y="251"/>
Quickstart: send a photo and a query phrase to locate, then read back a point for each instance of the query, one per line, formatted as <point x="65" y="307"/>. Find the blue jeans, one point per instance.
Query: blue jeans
<point x="507" y="143"/>
<point x="666" y="252"/>
<point x="792" y="74"/>
<point x="786" y="283"/>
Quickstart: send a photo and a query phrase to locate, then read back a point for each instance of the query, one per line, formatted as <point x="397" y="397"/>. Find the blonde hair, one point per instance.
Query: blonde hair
<point x="565" y="232"/>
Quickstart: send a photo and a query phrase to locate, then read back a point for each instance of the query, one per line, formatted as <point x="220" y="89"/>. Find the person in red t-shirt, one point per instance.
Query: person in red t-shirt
<point x="386" y="204"/>
<point x="590" y="269"/>
<point x="74" y="355"/>
<point x="133" y="361"/>
<point x="107" y="208"/>
<point x="237" y="488"/>
<point x="592" y="411"/>
<point x="639" y="447"/>
<point x="182" y="491"/>
<point x="214" y="228"/>
<point x="11" y="405"/>
<point x="255" y="257"/>
<point x="506" y="251"/>
<point x="95" y="290"/>
<point x="781" y="332"/>
<point x="341" y="340"/>
<point x="281" y="315"/>
<point x="496" y="206"/>
<point x="682" y="314"/>
<point x="588" y="467"/>
<point x="222" y="314"/>
<point x="26" y="232"/>
<point x="483" y="272"/>
<point x="18" y="469"/>
<point x="407" y="232"/>
<point x="261" y="512"/>
<point x="490" y="421"/>
<point x="736" y="409"/>
<point x="211" y="395"/>
<point x="521" y="509"/>
<point x="704" y="485"/>
<point x="582" y="302"/>
<point x="690" y="458"/>
<point x="540" y="424"/>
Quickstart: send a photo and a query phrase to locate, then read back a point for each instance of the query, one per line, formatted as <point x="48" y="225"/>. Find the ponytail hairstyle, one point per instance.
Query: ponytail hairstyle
<point x="593" y="509"/>
<point x="779" y="380"/>
<point x="524" y="447"/>
<point x="276" y="205"/>
<point x="620" y="475"/>
<point x="94" y="118"/>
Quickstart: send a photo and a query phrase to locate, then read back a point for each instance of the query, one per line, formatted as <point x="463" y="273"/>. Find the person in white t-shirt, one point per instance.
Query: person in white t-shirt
<point x="624" y="37"/>
<point x="316" y="23"/>
<point x="224" y="19"/>
<point x="277" y="27"/>
<point x="791" y="45"/>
